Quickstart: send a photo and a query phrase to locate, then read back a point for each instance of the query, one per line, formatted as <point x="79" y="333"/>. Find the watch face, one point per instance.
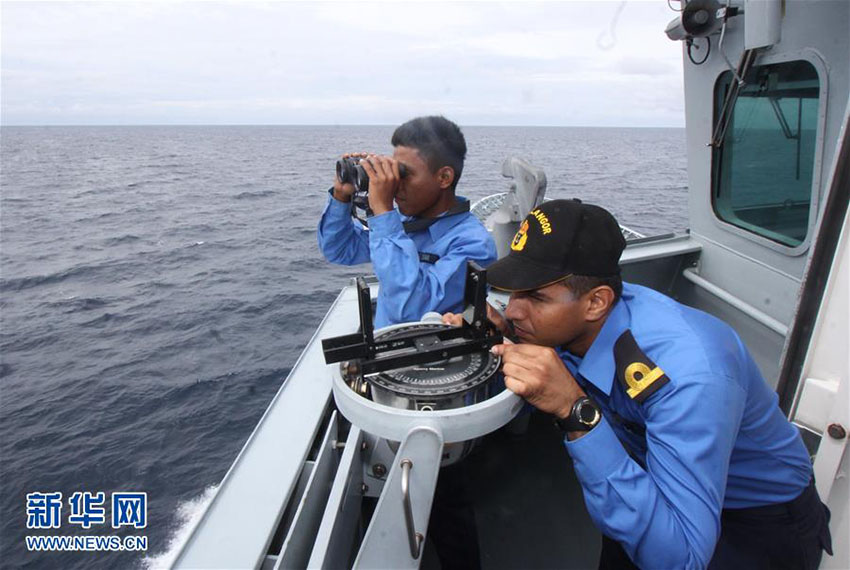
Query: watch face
<point x="583" y="417"/>
<point x="588" y="414"/>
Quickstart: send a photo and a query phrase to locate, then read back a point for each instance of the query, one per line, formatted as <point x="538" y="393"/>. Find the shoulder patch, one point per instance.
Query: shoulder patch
<point x="637" y="373"/>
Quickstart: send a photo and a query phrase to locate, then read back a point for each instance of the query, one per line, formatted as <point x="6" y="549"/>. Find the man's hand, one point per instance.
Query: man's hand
<point x="384" y="180"/>
<point x="537" y="374"/>
<point x="456" y="319"/>
<point x="344" y="192"/>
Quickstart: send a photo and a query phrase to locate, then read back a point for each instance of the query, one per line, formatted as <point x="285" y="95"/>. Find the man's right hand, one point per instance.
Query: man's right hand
<point x="344" y="192"/>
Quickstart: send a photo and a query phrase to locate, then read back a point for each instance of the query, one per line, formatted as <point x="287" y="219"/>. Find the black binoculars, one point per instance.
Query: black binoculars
<point x="349" y="171"/>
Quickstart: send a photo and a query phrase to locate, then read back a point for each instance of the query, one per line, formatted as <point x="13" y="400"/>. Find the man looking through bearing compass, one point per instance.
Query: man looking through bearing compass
<point x="683" y="455"/>
<point x="419" y="250"/>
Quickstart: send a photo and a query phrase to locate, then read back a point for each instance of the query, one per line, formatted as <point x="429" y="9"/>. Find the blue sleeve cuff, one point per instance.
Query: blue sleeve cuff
<point x="337" y="208"/>
<point x="387" y="224"/>
<point x="597" y="454"/>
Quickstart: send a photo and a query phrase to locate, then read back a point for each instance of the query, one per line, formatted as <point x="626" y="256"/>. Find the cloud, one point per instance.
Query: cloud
<point x="76" y="63"/>
<point x="644" y="66"/>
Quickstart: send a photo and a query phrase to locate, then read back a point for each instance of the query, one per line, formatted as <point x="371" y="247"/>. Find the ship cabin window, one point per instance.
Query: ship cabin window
<point x="763" y="167"/>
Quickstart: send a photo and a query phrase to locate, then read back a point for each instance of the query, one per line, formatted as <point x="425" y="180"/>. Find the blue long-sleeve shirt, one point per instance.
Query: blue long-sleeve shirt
<point x="711" y="437"/>
<point x="409" y="287"/>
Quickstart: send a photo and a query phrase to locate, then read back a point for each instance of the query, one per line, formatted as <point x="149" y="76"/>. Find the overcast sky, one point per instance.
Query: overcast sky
<point x="479" y="63"/>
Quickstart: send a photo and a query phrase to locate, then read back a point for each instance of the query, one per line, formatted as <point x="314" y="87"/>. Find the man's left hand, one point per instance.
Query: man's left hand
<point x="498" y="320"/>
<point x="537" y="374"/>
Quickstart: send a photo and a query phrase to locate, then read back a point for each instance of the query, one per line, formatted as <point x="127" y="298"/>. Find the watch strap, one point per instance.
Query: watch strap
<point x="574" y="422"/>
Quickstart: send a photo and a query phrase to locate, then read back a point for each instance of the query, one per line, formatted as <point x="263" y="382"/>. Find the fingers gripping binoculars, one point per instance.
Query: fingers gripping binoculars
<point x="349" y="171"/>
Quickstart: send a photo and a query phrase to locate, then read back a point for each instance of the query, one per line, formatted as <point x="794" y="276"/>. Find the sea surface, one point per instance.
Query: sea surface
<point x="158" y="283"/>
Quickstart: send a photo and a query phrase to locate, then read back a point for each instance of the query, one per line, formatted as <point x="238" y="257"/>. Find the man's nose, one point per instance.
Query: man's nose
<point x="514" y="310"/>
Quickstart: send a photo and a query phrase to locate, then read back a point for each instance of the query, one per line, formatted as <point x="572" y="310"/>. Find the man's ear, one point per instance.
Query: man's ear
<point x="599" y="302"/>
<point x="446" y="176"/>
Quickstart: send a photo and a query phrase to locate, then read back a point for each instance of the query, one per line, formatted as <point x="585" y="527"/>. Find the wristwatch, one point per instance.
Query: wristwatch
<point x="583" y="416"/>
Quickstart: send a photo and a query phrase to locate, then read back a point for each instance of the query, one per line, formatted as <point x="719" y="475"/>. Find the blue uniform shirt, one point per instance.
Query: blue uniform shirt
<point x="409" y="287"/>
<point x="657" y="473"/>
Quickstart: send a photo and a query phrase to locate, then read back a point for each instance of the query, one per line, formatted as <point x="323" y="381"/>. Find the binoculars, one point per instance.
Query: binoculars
<point x="349" y="171"/>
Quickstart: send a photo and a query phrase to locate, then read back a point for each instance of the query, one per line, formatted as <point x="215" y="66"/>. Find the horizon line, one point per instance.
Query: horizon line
<point x="325" y="125"/>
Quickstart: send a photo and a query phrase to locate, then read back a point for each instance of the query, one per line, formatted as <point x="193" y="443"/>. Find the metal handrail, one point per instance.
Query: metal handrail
<point x="414" y="538"/>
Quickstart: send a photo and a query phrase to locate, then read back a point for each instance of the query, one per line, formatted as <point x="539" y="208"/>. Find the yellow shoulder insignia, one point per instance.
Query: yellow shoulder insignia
<point x="637" y="373"/>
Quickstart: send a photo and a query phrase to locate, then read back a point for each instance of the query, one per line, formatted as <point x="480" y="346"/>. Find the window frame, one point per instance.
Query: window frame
<point x="812" y="57"/>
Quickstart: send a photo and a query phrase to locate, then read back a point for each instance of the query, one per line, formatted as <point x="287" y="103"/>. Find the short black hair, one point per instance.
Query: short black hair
<point x="439" y="141"/>
<point x="581" y="284"/>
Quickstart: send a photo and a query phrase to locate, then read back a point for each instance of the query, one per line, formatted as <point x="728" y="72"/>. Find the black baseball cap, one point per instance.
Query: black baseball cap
<point x="557" y="239"/>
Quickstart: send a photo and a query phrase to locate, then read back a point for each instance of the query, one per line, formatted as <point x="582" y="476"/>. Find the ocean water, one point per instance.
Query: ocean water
<point x="157" y="284"/>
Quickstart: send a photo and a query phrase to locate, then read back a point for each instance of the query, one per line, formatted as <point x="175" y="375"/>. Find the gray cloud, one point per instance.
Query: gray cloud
<point x="288" y="62"/>
<point x="645" y="66"/>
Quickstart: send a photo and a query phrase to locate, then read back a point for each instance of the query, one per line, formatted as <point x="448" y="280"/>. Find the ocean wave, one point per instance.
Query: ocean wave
<point x="88" y="194"/>
<point x="105" y="318"/>
<point x="33" y="341"/>
<point x="74" y="304"/>
<point x="190" y="228"/>
<point x="122" y="268"/>
<point x="253" y="195"/>
<point x="120" y="240"/>
<point x="164" y="165"/>
<point x="187" y="515"/>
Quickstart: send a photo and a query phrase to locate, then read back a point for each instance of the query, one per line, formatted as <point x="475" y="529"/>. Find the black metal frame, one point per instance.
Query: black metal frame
<point x="478" y="332"/>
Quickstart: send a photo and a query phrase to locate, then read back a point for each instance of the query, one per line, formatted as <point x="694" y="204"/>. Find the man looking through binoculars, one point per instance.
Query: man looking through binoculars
<point x="419" y="246"/>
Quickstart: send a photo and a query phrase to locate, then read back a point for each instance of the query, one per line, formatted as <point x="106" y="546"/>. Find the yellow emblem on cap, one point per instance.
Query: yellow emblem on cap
<point x="639" y="377"/>
<point x="521" y="237"/>
<point x="545" y="226"/>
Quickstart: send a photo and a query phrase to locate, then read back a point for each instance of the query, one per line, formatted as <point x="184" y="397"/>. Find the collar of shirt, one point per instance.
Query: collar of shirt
<point x="443" y="224"/>
<point x="598" y="365"/>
